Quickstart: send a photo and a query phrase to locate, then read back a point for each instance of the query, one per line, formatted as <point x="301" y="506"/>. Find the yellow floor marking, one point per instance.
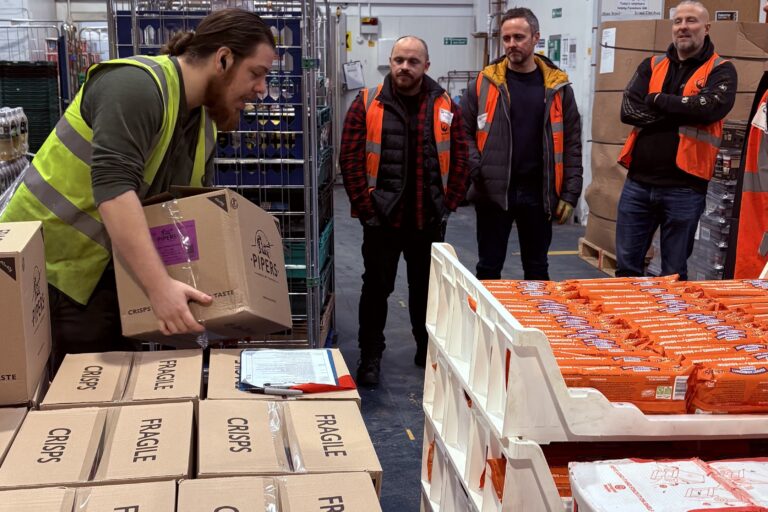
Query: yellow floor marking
<point x="410" y="434"/>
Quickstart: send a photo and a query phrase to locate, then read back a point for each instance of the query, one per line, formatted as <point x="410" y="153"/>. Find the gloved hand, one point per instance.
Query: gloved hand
<point x="563" y="212"/>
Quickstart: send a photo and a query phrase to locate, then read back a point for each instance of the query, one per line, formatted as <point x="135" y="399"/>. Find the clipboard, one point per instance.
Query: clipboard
<point x="290" y="372"/>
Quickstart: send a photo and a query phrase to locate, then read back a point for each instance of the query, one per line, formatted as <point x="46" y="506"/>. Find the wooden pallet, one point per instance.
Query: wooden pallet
<point x="597" y="257"/>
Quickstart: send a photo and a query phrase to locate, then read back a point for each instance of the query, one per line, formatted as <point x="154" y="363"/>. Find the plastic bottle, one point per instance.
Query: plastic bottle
<point x="6" y="142"/>
<point x="13" y="120"/>
<point x="23" y="130"/>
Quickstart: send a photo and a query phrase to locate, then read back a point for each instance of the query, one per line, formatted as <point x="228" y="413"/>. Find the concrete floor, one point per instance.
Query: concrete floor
<point x="393" y="412"/>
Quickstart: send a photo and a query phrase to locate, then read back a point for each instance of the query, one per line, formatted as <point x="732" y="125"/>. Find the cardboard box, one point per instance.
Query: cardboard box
<point x="633" y="42"/>
<point x="601" y="232"/>
<point x="54" y="499"/>
<point x="165" y="376"/>
<point x="147" y="443"/>
<point x="607" y="127"/>
<point x="234" y="254"/>
<point x="241" y="494"/>
<point x="87" y="380"/>
<point x="126" y="378"/>
<point x="150" y="497"/>
<point x="10" y="421"/>
<point x="604" y="191"/>
<point x="24" y="315"/>
<point x="330" y="437"/>
<point x="745" y="10"/>
<point x="325" y="493"/>
<point x="224" y="378"/>
<point x="240" y="438"/>
<point x="54" y="448"/>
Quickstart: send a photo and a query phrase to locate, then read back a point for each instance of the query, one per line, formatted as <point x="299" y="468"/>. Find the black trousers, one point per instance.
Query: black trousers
<point x="94" y="327"/>
<point x="534" y="230"/>
<point x="382" y="247"/>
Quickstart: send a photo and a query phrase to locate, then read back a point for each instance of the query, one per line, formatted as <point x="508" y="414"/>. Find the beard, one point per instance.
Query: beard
<point x="215" y="100"/>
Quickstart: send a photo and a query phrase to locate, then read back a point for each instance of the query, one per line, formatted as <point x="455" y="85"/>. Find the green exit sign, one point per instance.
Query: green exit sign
<point x="557" y="13"/>
<point x="455" y="41"/>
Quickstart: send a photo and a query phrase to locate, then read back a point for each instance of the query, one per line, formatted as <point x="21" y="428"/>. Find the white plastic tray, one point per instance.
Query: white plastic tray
<point x="535" y="404"/>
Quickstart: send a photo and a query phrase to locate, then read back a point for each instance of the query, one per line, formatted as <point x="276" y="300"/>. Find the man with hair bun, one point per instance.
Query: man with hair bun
<point x="138" y="126"/>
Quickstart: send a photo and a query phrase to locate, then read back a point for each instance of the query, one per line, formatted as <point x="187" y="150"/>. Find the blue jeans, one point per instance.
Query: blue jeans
<point x="642" y="209"/>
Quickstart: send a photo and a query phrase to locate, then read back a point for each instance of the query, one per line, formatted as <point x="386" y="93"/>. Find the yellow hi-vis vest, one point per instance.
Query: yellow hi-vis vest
<point x="57" y="184"/>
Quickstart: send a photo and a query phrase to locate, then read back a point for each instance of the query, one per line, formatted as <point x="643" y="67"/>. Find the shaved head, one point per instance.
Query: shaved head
<point x="696" y="5"/>
<point x="411" y="40"/>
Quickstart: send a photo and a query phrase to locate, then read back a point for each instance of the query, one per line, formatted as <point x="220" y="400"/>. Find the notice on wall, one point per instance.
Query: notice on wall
<point x="613" y="10"/>
<point x="607" y="52"/>
<point x="568" y="53"/>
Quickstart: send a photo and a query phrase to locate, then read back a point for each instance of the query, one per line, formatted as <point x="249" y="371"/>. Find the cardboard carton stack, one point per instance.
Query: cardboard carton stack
<point x="625" y="44"/>
<point x="125" y="378"/>
<point x="710" y="250"/>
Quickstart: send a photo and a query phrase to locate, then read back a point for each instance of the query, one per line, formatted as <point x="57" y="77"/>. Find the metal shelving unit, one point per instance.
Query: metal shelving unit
<point x="281" y="155"/>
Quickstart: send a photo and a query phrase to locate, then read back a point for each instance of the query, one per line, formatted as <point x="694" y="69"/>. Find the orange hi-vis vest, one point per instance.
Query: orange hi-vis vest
<point x="488" y="97"/>
<point x="374" y="123"/>
<point x="752" y="241"/>
<point x="697" y="150"/>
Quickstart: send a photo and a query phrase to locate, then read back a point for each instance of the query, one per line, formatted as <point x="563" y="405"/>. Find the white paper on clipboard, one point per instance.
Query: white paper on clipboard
<point x="287" y="367"/>
<point x="353" y="75"/>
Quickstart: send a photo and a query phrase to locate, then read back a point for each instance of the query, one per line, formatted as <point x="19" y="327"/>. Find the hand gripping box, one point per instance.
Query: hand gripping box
<point x="126" y="378"/>
<point x="24" y="314"/>
<point x="223" y="245"/>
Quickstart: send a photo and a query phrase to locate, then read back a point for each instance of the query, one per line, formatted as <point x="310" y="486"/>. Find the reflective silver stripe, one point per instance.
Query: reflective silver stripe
<point x="558" y="158"/>
<point x="158" y="69"/>
<point x="372" y="147"/>
<point x="557" y="127"/>
<point x="718" y="61"/>
<point x="701" y="135"/>
<point x="485" y="88"/>
<point x="209" y="139"/>
<point x="657" y="60"/>
<point x="64" y="209"/>
<point x="73" y="141"/>
<point x="371" y="97"/>
<point x="758" y="181"/>
<point x="444" y="145"/>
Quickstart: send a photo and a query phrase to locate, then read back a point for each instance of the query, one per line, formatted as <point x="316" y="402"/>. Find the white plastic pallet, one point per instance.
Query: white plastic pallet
<point x="536" y="404"/>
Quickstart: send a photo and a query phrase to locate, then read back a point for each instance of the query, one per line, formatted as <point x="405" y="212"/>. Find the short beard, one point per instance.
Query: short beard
<point x="215" y="101"/>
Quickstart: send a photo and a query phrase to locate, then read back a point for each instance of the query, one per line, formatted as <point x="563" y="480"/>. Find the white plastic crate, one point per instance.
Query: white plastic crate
<point x="445" y="492"/>
<point x="473" y="332"/>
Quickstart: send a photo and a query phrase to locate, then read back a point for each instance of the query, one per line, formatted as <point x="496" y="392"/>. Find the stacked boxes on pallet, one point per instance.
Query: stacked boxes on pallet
<point x="708" y="260"/>
<point x="495" y="402"/>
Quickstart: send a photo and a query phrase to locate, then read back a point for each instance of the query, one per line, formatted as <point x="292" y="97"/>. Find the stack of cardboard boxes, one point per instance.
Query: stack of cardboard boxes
<point x="121" y="419"/>
<point x="120" y="430"/>
<point x="625" y="44"/>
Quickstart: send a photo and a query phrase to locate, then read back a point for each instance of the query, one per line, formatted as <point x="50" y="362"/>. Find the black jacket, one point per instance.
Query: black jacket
<point x="655" y="151"/>
<point x="492" y="171"/>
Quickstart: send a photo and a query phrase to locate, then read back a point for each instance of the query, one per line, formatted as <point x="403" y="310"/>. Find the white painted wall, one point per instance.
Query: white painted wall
<point x="430" y="20"/>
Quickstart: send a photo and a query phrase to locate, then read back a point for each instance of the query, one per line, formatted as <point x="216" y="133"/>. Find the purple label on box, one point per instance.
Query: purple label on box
<point x="176" y="243"/>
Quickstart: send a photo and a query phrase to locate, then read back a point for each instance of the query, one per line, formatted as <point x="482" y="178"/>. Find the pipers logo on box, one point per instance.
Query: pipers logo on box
<point x="261" y="258"/>
<point x="38" y="299"/>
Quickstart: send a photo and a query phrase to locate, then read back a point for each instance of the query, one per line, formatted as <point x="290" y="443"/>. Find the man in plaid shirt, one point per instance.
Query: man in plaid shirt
<point x="404" y="165"/>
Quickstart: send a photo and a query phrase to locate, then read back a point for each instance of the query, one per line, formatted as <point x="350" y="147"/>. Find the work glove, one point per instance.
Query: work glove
<point x="563" y="212"/>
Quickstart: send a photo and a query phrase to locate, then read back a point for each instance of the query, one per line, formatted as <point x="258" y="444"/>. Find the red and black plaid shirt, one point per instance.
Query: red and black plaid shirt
<point x="353" y="171"/>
